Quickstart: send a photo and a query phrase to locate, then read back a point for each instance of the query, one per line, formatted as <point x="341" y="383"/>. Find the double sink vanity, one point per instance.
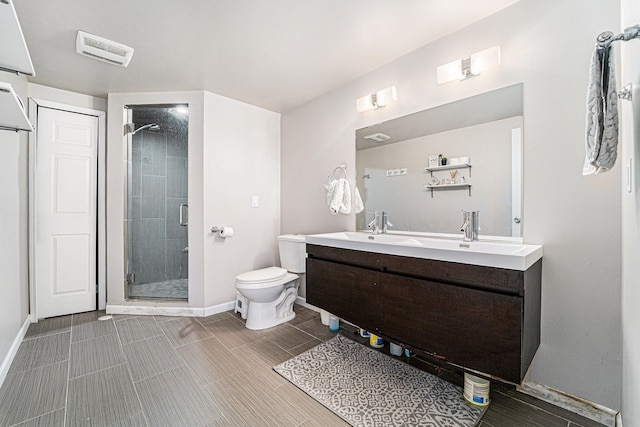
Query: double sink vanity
<point x="475" y="305"/>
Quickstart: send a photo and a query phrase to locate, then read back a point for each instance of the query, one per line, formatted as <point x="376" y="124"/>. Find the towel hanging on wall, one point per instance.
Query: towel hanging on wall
<point x="602" y="114"/>
<point x="339" y="196"/>
<point x="339" y="192"/>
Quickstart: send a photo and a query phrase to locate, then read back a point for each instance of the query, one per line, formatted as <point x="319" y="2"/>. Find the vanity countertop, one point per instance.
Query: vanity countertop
<point x="513" y="256"/>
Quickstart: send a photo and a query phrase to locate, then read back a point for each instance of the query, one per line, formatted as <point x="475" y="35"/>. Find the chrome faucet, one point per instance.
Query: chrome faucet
<point x="470" y="225"/>
<point x="385" y="222"/>
<point x="374" y="223"/>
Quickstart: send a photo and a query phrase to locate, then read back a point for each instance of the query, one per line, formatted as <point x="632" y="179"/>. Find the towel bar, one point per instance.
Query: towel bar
<point x="605" y="39"/>
<point x="341" y="166"/>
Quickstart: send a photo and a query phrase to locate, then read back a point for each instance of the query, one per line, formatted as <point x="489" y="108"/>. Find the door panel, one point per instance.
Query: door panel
<point x="66" y="212"/>
<point x="70" y="277"/>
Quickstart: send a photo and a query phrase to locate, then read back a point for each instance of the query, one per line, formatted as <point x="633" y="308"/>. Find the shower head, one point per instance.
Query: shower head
<point x="131" y="128"/>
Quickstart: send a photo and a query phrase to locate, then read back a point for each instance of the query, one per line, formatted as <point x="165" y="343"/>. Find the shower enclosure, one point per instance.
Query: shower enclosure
<point x="157" y="213"/>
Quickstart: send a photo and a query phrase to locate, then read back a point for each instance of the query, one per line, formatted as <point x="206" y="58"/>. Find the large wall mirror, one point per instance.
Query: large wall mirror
<point x="395" y="176"/>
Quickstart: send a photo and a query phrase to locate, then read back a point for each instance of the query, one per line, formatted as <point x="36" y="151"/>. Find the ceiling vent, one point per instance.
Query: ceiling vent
<point x="377" y="137"/>
<point x="103" y="49"/>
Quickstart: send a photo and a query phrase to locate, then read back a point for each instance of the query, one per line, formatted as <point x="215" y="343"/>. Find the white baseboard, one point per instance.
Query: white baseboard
<point x="220" y="308"/>
<point x="11" y="354"/>
<point x="162" y="310"/>
<point x="575" y="404"/>
<point x="155" y="310"/>
<point x="303" y="302"/>
<point x="166" y="310"/>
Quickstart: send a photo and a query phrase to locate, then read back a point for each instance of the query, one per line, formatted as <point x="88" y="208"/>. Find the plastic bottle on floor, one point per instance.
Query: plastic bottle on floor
<point x="375" y="341"/>
<point x="334" y="324"/>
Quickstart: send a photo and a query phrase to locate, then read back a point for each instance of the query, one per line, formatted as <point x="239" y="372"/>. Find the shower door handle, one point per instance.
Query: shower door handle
<point x="182" y="215"/>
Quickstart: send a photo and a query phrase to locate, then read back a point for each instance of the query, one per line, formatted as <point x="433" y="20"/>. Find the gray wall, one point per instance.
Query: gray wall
<point x="547" y="45"/>
<point x="14" y="216"/>
<point x="14" y="211"/>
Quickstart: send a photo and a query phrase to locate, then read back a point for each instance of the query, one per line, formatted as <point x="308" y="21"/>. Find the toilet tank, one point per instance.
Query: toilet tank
<point x="293" y="251"/>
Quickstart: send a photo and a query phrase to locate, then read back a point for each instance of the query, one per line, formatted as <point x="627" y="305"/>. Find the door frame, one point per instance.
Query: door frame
<point x="101" y="276"/>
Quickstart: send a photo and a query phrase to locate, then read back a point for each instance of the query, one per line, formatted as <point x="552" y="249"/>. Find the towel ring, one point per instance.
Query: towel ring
<point x="341" y="167"/>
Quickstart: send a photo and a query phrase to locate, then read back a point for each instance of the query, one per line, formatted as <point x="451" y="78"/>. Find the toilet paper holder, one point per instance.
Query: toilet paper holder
<point x="222" y="231"/>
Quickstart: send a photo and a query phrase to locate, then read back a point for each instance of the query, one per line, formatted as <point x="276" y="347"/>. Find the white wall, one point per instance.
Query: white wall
<point x="14" y="304"/>
<point x="241" y="159"/>
<point x="630" y="140"/>
<point x="234" y="151"/>
<point x="67" y="97"/>
<point x="546" y="44"/>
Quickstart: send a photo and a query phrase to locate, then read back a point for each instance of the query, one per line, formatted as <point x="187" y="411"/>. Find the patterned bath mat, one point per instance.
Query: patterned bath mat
<point x="368" y="388"/>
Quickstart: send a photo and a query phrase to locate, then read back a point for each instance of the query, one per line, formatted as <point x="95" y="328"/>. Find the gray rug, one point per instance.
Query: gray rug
<point x="368" y="388"/>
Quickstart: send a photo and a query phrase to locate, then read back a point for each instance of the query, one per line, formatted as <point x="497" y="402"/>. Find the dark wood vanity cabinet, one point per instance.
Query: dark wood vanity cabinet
<point x="482" y="318"/>
<point x="346" y="291"/>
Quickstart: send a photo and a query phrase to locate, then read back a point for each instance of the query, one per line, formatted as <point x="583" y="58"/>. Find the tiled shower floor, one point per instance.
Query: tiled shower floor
<point x="177" y="371"/>
<point x="171" y="289"/>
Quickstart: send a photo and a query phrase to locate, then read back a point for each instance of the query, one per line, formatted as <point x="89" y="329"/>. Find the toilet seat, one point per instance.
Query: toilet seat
<point x="262" y="276"/>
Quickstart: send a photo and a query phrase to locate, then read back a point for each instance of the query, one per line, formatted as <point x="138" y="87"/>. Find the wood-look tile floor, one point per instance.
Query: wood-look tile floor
<point x="174" y="371"/>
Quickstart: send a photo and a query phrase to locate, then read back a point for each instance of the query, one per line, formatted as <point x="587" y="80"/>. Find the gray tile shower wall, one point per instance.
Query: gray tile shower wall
<point x="176" y="177"/>
<point x="148" y="250"/>
<point x="173" y="255"/>
<point x="154" y="152"/>
<point x="153" y="196"/>
<point x="159" y="173"/>
<point x="176" y="145"/>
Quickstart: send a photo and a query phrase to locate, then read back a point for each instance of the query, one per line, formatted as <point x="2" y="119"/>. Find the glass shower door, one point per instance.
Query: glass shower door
<point x="156" y="227"/>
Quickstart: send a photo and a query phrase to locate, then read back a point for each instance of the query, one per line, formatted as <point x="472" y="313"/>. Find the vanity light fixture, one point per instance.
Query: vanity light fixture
<point x="377" y="100"/>
<point x="462" y="69"/>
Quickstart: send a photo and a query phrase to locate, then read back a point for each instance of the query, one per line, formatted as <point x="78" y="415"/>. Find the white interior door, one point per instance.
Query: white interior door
<point x="66" y="212"/>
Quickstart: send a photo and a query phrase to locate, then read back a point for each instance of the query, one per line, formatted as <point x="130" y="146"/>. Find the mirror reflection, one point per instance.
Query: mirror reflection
<point x="480" y="135"/>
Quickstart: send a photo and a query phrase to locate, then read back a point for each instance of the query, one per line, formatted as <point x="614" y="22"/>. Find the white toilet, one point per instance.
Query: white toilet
<point x="272" y="291"/>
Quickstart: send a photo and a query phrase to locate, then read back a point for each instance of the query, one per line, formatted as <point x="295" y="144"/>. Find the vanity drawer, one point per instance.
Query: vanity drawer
<point x="477" y="329"/>
<point x="467" y="275"/>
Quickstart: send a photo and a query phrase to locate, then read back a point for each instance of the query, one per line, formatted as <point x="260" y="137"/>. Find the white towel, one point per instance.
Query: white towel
<point x="602" y="114"/>
<point x="330" y="189"/>
<point x="345" y="206"/>
<point x="358" y="205"/>
<point x="339" y="196"/>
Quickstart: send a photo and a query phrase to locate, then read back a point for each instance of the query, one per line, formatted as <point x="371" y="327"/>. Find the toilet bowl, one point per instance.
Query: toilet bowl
<point x="272" y="291"/>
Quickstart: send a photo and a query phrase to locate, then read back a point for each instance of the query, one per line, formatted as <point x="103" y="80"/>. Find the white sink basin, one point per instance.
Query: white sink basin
<point x="513" y="256"/>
